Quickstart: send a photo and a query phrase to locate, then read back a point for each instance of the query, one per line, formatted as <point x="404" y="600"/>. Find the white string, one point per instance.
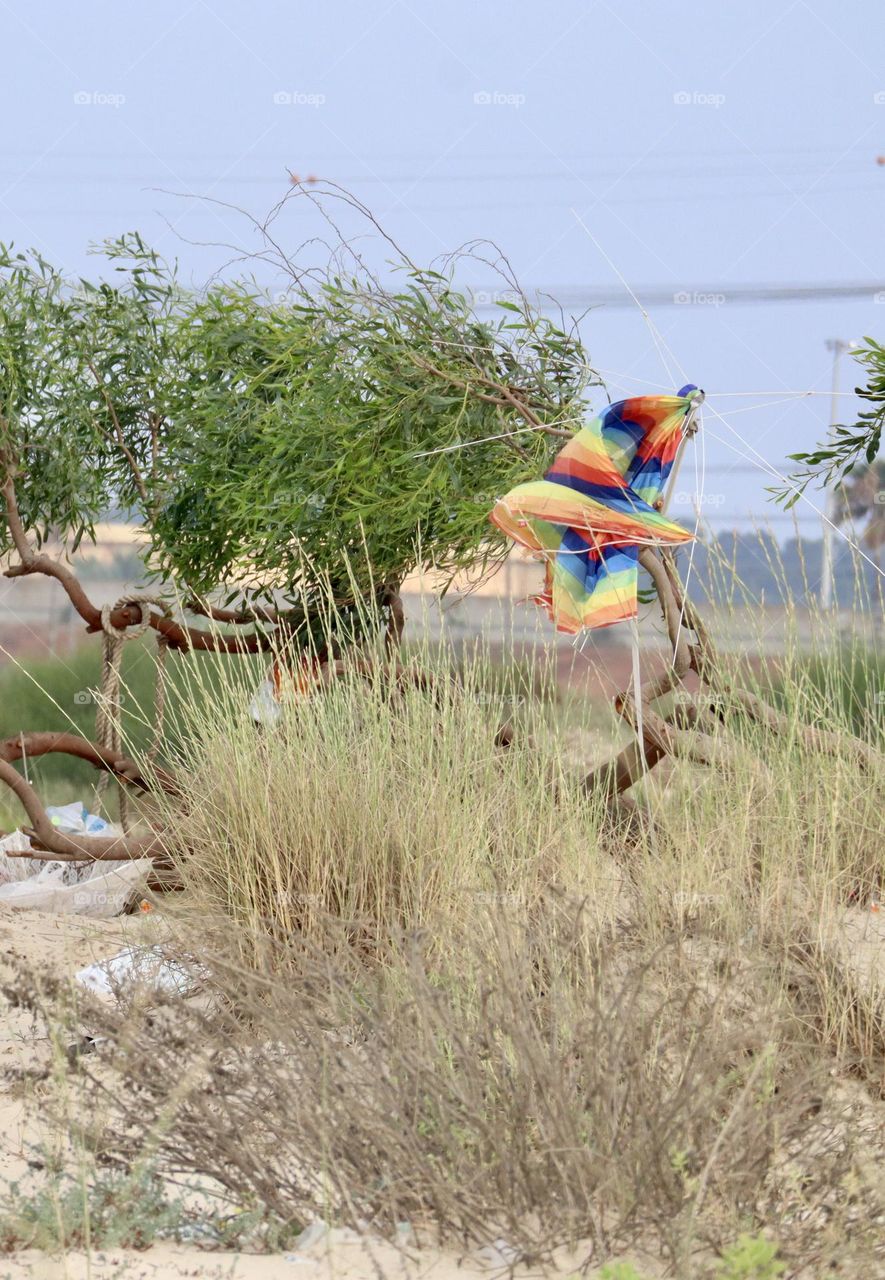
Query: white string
<point x="773" y="471"/>
<point x="656" y="337"/>
<point x="644" y="382"/>
<point x="786" y="394"/>
<point x="731" y="394"/>
<point x="751" y="408"/>
<point x="503" y="435"/>
<point x="699" y="484"/>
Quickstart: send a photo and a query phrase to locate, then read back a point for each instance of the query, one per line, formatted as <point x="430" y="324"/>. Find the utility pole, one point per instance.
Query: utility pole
<point x="837" y="346"/>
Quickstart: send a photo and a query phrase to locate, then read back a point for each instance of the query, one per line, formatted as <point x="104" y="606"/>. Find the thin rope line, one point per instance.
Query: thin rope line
<point x="773" y="471"/>
<point x="657" y="338"/>
<point x="637" y="692"/>
<point x="749" y="408"/>
<point x="699" y="483"/>
<point x="645" y="382"/>
<point x="504" y="435"/>
<point x="780" y="393"/>
<point x="786" y="394"/>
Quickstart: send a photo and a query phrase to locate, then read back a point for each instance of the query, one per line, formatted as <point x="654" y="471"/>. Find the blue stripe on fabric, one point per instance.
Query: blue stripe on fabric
<point x="615" y="496"/>
<point x="650" y="471"/>
<point x="591" y="565"/>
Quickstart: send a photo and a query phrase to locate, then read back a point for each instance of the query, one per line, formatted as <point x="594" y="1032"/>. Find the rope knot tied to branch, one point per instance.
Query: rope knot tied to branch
<point x="107" y="717"/>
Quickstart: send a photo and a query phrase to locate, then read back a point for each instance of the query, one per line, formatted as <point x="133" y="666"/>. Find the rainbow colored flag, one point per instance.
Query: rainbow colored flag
<point x="596" y="506"/>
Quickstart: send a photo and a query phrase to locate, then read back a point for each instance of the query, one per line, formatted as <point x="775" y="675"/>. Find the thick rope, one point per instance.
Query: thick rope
<point x="107" y="717"/>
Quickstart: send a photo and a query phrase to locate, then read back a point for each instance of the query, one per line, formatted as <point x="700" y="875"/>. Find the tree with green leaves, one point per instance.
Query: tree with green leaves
<point x="291" y="458"/>
<point x="271" y="449"/>
<point x="848" y="446"/>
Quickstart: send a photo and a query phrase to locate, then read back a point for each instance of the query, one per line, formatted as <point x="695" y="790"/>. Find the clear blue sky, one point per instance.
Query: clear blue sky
<point x="703" y="144"/>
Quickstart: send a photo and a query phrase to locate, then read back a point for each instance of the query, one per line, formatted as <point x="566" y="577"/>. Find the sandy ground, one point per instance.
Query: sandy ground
<point x="341" y="1262"/>
<point x="66" y="944"/>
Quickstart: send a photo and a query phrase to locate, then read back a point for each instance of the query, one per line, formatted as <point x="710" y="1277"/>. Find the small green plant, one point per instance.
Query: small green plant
<point x="750" y="1258"/>
<point x="108" y="1210"/>
<point x="619" y="1271"/>
<point x="125" y="1211"/>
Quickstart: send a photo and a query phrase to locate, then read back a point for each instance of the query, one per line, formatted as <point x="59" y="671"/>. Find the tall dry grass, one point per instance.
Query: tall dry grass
<point x="442" y="985"/>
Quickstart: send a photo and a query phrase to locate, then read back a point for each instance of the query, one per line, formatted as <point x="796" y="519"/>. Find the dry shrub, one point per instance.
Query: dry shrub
<point x="383" y="808"/>
<point x="552" y="1086"/>
<point x="846" y="1007"/>
<point x="409" y="1016"/>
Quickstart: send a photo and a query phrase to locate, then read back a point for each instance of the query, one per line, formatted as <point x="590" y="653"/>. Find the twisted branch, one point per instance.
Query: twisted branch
<point x="177" y="635"/>
<point x="52" y="843"/>
<point x="32" y="745"/>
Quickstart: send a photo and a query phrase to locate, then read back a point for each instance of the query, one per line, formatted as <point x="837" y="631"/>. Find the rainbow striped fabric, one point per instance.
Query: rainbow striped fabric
<point x="594" y="508"/>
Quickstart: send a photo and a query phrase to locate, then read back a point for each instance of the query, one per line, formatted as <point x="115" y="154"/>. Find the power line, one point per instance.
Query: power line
<point x="707" y="295"/>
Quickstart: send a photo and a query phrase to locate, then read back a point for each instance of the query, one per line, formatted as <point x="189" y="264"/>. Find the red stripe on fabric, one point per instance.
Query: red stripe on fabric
<point x="593" y="472"/>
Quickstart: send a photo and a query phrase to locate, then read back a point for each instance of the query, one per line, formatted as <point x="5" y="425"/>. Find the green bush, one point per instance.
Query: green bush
<point x="750" y="1258"/>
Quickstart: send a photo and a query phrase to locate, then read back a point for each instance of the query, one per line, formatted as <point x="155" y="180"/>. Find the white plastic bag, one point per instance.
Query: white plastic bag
<point x="265" y="706"/>
<point x="139" y="966"/>
<point x="88" y="888"/>
<point x="75" y="820"/>
<point x="101" y="894"/>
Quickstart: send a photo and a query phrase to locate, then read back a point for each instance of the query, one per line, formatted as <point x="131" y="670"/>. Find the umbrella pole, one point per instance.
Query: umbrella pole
<point x="690" y="429"/>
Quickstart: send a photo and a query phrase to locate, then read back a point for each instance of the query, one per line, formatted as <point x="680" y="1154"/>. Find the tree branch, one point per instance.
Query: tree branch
<point x="121" y="441"/>
<point x="177" y="635"/>
<point x="50" y="841"/>
<point x="33" y="745"/>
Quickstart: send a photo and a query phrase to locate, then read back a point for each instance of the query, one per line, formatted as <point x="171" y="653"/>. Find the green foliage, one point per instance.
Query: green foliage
<point x="337" y="438"/>
<point x="113" y="1210"/>
<point x="103" y="1209"/>
<point x="846" y="445"/>
<point x="60" y="694"/>
<point x="750" y="1258"/>
<point x="85" y="375"/>
<point x="844" y="686"/>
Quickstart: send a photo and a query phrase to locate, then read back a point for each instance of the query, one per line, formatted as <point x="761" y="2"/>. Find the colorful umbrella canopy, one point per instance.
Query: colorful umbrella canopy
<point x="596" y="506"/>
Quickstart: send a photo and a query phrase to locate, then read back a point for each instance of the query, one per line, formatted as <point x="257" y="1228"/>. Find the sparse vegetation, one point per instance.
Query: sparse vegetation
<point x="446" y="977"/>
<point x="444" y="989"/>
